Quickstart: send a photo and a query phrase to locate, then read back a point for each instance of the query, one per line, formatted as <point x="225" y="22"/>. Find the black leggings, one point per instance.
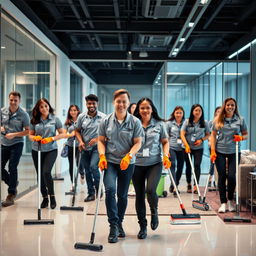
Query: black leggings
<point x="152" y="174"/>
<point x="70" y="160"/>
<point x="47" y="162"/>
<point x="197" y="155"/>
<point x="221" y="168"/>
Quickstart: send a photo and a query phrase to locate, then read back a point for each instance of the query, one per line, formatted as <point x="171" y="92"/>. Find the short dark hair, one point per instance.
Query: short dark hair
<point x="91" y="97"/>
<point x="120" y="92"/>
<point x="15" y="94"/>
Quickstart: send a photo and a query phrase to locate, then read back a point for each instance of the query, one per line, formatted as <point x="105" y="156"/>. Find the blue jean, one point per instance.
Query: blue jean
<point x="89" y="164"/>
<point x="117" y="182"/>
<point x="12" y="154"/>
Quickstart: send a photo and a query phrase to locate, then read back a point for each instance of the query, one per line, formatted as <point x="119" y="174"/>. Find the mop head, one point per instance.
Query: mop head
<point x="71" y="208"/>
<point x="188" y="219"/>
<point x="237" y="219"/>
<point x="200" y="205"/>
<point x="39" y="222"/>
<point x="89" y="246"/>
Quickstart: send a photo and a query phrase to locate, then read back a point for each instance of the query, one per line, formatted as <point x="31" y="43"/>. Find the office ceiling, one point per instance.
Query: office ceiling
<point x="127" y="41"/>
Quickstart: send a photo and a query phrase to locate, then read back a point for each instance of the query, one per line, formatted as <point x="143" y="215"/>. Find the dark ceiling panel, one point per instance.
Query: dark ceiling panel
<point x="105" y="30"/>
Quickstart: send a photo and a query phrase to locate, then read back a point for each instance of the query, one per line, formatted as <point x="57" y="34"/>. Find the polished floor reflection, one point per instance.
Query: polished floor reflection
<point x="211" y="237"/>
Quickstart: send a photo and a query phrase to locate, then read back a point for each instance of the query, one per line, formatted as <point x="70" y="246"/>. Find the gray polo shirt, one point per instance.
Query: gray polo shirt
<point x="210" y="123"/>
<point x="13" y="122"/>
<point x="173" y="130"/>
<point x="151" y="151"/>
<point x="119" y="137"/>
<point x="88" y="126"/>
<point x="224" y="142"/>
<point x="195" y="132"/>
<point x="70" y="128"/>
<point x="46" y="128"/>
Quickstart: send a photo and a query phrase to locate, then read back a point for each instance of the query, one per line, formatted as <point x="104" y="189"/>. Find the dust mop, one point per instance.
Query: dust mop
<point x="198" y="204"/>
<point x="39" y="220"/>
<point x="185" y="218"/>
<point x="75" y="178"/>
<point x="91" y="246"/>
<point x="237" y="217"/>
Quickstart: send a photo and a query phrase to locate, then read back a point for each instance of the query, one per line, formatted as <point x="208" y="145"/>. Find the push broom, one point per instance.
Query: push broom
<point x="39" y="219"/>
<point x="198" y="204"/>
<point x="185" y="218"/>
<point x="91" y="246"/>
<point x="237" y="217"/>
<point x="75" y="178"/>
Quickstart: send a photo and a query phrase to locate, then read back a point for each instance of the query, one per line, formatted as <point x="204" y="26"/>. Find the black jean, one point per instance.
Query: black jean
<point x="70" y="161"/>
<point x="198" y="156"/>
<point x="177" y="156"/>
<point x="231" y="176"/>
<point x="152" y="175"/>
<point x="47" y="161"/>
<point x="12" y="154"/>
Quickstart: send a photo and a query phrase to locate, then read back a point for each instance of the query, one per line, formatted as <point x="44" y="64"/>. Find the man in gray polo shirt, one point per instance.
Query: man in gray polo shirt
<point x="87" y="136"/>
<point x="14" y="125"/>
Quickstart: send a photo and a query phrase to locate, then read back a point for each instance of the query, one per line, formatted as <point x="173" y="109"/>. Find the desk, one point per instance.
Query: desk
<point x="251" y="191"/>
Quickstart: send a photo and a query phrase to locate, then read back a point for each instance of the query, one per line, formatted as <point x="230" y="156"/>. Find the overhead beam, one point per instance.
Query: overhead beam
<point x="115" y="56"/>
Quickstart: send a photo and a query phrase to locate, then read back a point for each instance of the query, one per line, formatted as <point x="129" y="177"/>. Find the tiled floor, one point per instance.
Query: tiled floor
<point x="211" y="237"/>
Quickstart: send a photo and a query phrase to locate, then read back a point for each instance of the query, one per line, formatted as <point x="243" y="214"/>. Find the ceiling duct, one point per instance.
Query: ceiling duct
<point x="162" y="8"/>
<point x="154" y="40"/>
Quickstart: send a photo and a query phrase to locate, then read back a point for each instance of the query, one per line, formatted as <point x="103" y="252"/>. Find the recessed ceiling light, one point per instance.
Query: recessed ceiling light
<point x="3" y="47"/>
<point x="182" y="39"/>
<point x="191" y="24"/>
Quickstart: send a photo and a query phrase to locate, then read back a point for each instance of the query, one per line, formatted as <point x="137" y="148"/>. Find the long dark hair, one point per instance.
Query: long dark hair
<point x="154" y="110"/>
<point x="129" y="108"/>
<point x="69" y="117"/>
<point x="191" y="116"/>
<point x="36" y="114"/>
<point x="172" y="117"/>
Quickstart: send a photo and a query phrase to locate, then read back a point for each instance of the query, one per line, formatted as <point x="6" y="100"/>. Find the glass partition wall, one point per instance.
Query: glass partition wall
<point x="28" y="67"/>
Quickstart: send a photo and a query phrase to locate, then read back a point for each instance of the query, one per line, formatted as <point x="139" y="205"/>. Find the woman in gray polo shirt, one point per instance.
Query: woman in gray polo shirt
<point x="230" y="127"/>
<point x="69" y="127"/>
<point x="149" y="163"/>
<point x="173" y="126"/>
<point x="194" y="132"/>
<point x="120" y="136"/>
<point x="43" y="127"/>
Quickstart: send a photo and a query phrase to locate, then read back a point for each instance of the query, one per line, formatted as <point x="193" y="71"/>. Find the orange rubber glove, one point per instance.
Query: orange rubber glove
<point x="238" y="138"/>
<point x="47" y="140"/>
<point x="166" y="162"/>
<point x="103" y="164"/>
<point x="125" y="162"/>
<point x="213" y="156"/>
<point x="37" y="138"/>
<point x="187" y="149"/>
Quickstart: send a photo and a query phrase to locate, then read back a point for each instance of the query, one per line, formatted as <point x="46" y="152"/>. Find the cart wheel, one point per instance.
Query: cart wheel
<point x="165" y="194"/>
<point x="206" y="207"/>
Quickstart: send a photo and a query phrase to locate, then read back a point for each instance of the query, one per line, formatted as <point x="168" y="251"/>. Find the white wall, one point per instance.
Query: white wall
<point x="59" y="96"/>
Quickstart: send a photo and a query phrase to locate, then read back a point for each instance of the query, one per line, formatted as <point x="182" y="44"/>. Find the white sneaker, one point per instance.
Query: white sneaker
<point x="222" y="208"/>
<point x="231" y="206"/>
<point x="82" y="179"/>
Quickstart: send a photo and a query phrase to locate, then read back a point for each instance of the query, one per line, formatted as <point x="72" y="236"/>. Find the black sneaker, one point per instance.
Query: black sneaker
<point x="171" y="189"/>
<point x="113" y="234"/>
<point x="121" y="230"/>
<point x="142" y="233"/>
<point x="45" y="202"/>
<point x="89" y="198"/>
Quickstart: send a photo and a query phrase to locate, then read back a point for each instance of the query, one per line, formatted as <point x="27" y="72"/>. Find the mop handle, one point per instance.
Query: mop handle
<point x="74" y="161"/>
<point x="206" y="186"/>
<point x="237" y="175"/>
<point x="175" y="186"/>
<point x="98" y="200"/>
<point x="193" y="171"/>
<point x="39" y="177"/>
